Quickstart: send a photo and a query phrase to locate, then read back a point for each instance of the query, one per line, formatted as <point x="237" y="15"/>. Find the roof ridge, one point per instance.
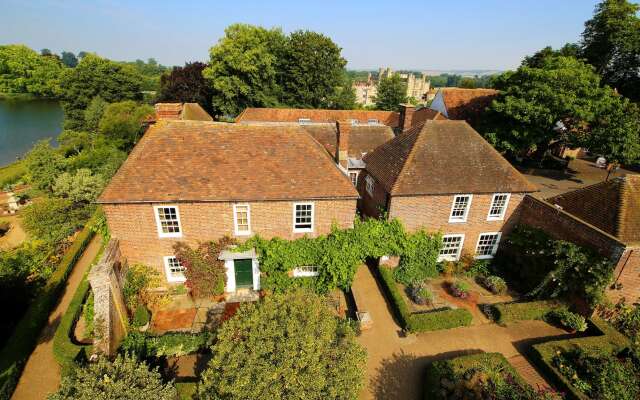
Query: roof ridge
<point x="623" y="188"/>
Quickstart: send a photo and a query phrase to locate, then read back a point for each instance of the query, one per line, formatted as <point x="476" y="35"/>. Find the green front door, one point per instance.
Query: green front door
<point x="244" y="273"/>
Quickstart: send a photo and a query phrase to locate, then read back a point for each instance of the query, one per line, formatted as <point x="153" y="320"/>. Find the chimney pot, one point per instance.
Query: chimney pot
<point x="406" y="116"/>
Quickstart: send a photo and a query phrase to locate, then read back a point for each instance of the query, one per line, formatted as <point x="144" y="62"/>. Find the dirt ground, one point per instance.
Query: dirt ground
<point x="41" y="375"/>
<point x="16" y="234"/>
<point x="396" y="363"/>
<point x="580" y="173"/>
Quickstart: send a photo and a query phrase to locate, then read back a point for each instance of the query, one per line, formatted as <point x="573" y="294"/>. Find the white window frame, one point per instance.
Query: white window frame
<point x="354" y="122"/>
<point x="237" y="231"/>
<point x="159" y="224"/>
<point x="313" y="212"/>
<point x="356" y="173"/>
<point x="167" y="270"/>
<point x="370" y="184"/>
<point x="305" y="271"/>
<point x="458" y="254"/>
<point x="504" y="210"/>
<point x="495" y="247"/>
<point x="304" y="121"/>
<point x="458" y="220"/>
<point x="373" y="121"/>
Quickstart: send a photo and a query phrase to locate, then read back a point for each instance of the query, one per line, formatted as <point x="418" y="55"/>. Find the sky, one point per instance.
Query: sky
<point x="420" y="35"/>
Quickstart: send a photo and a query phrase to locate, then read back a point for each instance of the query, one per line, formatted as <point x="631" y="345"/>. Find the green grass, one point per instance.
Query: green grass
<point x="12" y="173"/>
<point x="459" y="365"/>
<point x="426" y="321"/>
<point x="607" y="340"/>
<point x="24" y="338"/>
<point x="186" y="390"/>
<point x="520" y="311"/>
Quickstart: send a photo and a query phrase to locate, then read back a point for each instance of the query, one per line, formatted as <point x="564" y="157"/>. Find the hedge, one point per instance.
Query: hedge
<point x="607" y="340"/>
<point x="459" y="365"/>
<point x="172" y="344"/>
<point x="25" y="336"/>
<point x="421" y="322"/>
<point x="520" y="311"/>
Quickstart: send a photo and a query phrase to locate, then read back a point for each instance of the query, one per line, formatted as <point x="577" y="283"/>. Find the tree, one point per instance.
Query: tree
<point x="533" y="101"/>
<point x="242" y="68"/>
<point x="611" y="43"/>
<point x="22" y="70"/>
<point x="69" y="59"/>
<point x="81" y="187"/>
<point x="46" y="53"/>
<point x="616" y="131"/>
<point x="467" y="82"/>
<point x="54" y="220"/>
<point x="125" y="379"/>
<point x="186" y="85"/>
<point x="95" y="76"/>
<point x="310" y="69"/>
<point x="93" y="113"/>
<point x="391" y="93"/>
<point x="73" y="142"/>
<point x="44" y="164"/>
<point x="122" y="122"/>
<point x="536" y="60"/>
<point x="288" y="346"/>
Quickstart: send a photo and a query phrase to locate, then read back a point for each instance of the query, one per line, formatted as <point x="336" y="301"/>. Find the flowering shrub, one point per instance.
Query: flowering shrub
<point x="569" y="320"/>
<point x="494" y="284"/>
<point x="460" y="289"/>
<point x="421" y="295"/>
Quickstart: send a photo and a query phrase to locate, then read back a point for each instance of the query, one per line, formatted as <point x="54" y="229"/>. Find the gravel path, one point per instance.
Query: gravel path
<point x="41" y="375"/>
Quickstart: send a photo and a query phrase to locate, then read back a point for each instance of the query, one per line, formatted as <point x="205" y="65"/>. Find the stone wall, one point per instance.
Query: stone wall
<point x="110" y="313"/>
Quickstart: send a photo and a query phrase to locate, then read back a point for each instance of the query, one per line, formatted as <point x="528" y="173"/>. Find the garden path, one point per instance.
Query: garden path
<point x="396" y="364"/>
<point x="41" y="374"/>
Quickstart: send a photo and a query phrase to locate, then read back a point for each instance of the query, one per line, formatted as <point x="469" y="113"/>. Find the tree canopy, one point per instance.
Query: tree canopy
<point x="23" y="70"/>
<point x="288" y="346"/>
<point x="391" y="93"/>
<point x="186" y="85"/>
<point x="122" y="122"/>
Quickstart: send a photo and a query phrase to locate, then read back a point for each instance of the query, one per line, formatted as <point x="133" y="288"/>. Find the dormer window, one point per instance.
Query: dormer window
<point x="304" y="121"/>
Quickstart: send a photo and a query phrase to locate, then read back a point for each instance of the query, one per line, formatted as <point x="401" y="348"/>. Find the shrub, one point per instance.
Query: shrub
<point x="460" y="289"/>
<point x="418" y="260"/>
<point x="421" y="295"/>
<point x="494" y="284"/>
<point x="136" y="289"/>
<point x="12" y="173"/>
<point x="519" y="311"/>
<point x="125" y="378"/>
<point x="88" y="315"/>
<point x="479" y="268"/>
<point x="303" y="353"/>
<point x="206" y="274"/>
<point x="141" y="316"/>
<point x="146" y="346"/>
<point x="569" y="320"/>
<point x="625" y="317"/>
<point x="81" y="187"/>
<point x="54" y="220"/>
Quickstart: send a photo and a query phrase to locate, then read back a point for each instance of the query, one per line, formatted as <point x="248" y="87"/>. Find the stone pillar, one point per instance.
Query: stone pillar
<point x="110" y="312"/>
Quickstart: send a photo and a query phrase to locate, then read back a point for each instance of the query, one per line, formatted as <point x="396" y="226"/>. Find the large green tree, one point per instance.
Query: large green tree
<point x="96" y="76"/>
<point x="125" y="378"/>
<point x="391" y="93"/>
<point x="122" y="122"/>
<point x="243" y="68"/>
<point x="288" y="346"/>
<point x="23" y="70"/>
<point x="310" y="69"/>
<point x="561" y="100"/>
<point x="611" y="43"/>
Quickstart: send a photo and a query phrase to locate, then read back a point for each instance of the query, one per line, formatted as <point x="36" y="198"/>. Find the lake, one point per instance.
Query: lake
<point x="24" y="122"/>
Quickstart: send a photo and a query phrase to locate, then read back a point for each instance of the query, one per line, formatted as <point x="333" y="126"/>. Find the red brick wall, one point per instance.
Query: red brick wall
<point x="432" y="213"/>
<point x="368" y="205"/>
<point x="135" y="225"/>
<point x="627" y="275"/>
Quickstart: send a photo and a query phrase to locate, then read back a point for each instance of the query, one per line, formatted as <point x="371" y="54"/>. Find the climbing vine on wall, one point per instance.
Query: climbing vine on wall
<point x="338" y="254"/>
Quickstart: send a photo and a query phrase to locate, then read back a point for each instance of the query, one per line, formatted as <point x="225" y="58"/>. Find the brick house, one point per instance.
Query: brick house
<point x="606" y="217"/>
<point x="443" y="176"/>
<point x="195" y="181"/>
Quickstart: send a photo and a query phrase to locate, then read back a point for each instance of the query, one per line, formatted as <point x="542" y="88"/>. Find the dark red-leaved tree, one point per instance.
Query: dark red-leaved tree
<point x="186" y="85"/>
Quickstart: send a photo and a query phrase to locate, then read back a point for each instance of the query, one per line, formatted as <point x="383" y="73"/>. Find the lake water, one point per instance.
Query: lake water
<point x="24" y="122"/>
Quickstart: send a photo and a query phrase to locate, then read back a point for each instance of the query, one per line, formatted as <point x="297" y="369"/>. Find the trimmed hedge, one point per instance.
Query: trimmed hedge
<point x="607" y="340"/>
<point x="520" y="311"/>
<point x="421" y="322"/>
<point x="20" y="345"/>
<point x="459" y="365"/>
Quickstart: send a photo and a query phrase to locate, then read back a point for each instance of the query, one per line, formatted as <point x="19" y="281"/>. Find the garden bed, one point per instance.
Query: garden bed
<point x="505" y="313"/>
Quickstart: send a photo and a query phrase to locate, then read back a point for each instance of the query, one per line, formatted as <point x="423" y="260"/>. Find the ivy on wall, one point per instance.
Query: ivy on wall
<point x="338" y="254"/>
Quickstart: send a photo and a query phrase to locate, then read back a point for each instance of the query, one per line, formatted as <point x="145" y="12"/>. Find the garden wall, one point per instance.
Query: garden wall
<point x="110" y="313"/>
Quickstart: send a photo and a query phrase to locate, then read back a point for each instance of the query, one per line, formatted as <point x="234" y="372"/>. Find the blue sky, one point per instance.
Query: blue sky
<point x="444" y="34"/>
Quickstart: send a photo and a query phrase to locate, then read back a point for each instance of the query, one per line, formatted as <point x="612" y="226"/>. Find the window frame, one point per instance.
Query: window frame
<point x="236" y="231"/>
<point x="313" y="212"/>
<point x="504" y="210"/>
<point x="357" y="174"/>
<point x="162" y="234"/>
<point x="304" y="121"/>
<point x="494" y="250"/>
<point x="370" y="185"/>
<point x="167" y="271"/>
<point x="306" y="271"/>
<point x="464" y="218"/>
<point x="373" y="121"/>
<point x="458" y="254"/>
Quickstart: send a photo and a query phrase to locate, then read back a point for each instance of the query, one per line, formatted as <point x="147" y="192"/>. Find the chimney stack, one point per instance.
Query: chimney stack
<point x="168" y="111"/>
<point x="343" y="129"/>
<point x="406" y="116"/>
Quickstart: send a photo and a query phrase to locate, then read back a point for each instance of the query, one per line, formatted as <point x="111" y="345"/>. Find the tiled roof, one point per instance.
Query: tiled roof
<point x="613" y="206"/>
<point x="180" y="111"/>
<point x="426" y="114"/>
<point x="362" y="138"/>
<point x="443" y="157"/>
<point x="388" y="118"/>
<point x="208" y="161"/>
<point x="195" y="112"/>
<point x="467" y="104"/>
